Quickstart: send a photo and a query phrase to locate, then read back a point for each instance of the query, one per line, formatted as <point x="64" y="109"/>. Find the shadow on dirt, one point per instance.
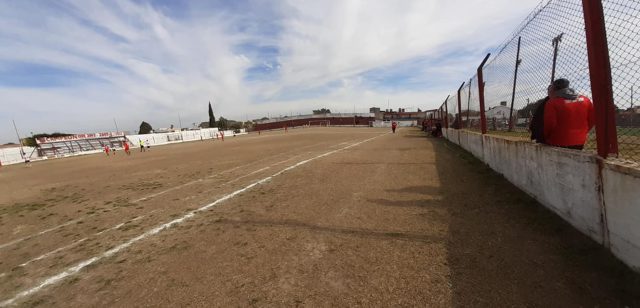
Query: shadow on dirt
<point x="404" y="203"/>
<point x="380" y="163"/>
<point x="423" y="190"/>
<point x="505" y="249"/>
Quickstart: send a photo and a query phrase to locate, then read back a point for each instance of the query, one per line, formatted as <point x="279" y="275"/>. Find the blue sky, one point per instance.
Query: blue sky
<point x="74" y="66"/>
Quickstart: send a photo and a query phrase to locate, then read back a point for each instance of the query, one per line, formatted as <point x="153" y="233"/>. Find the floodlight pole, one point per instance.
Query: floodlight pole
<point x="19" y="140"/>
<point x="114" y="122"/>
<point x="556" y="43"/>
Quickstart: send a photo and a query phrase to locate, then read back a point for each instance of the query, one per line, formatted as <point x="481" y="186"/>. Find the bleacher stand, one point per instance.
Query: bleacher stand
<point x="79" y="144"/>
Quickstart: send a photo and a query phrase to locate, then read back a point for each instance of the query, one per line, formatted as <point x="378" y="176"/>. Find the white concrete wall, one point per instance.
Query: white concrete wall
<point x="569" y="183"/>
<point x="182" y="136"/>
<point x="166" y="138"/>
<point x="9" y="156"/>
<point x="621" y="190"/>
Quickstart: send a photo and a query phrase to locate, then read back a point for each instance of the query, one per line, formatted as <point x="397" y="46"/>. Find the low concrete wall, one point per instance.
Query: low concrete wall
<point x="602" y="202"/>
<point x="621" y="191"/>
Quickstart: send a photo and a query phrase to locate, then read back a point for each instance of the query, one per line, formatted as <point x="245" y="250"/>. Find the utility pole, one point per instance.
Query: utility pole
<point x="114" y="122"/>
<point x="513" y="91"/>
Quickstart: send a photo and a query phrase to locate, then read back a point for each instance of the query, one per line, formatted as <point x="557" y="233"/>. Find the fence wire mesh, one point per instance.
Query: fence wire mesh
<point x="517" y="75"/>
<point x="622" y="18"/>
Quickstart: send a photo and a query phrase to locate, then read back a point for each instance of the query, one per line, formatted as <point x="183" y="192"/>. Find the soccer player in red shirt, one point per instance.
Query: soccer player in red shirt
<point x="393" y="126"/>
<point x="568" y="117"/>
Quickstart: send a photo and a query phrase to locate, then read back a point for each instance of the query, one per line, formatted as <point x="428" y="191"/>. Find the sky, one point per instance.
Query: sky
<point x="86" y="66"/>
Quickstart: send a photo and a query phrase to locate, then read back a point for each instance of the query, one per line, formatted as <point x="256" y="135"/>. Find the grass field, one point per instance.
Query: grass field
<point x="314" y="217"/>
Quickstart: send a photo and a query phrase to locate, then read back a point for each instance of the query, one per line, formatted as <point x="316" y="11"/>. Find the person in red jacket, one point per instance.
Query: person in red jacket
<point x="568" y="117"/>
<point x="393" y="126"/>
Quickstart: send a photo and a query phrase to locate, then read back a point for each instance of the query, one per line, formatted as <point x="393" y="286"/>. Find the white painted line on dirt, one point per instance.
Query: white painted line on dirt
<point x="76" y="268"/>
<point x="246" y="175"/>
<point x="53" y="251"/>
<point x="45" y="255"/>
<point x="112" y="228"/>
<point x="207" y="177"/>
<point x="42" y="232"/>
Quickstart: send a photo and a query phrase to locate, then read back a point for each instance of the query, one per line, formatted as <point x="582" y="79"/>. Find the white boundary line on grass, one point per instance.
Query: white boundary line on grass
<point x="78" y="267"/>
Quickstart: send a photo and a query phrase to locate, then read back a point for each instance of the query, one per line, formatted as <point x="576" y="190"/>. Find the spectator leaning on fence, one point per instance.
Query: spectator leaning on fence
<point x="568" y="117"/>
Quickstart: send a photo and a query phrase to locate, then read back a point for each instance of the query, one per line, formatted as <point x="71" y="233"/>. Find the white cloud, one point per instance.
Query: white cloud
<point x="136" y="63"/>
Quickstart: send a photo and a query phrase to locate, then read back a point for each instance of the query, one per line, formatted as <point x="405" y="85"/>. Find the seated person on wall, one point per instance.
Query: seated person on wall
<point x="536" y="126"/>
<point x="568" y="117"/>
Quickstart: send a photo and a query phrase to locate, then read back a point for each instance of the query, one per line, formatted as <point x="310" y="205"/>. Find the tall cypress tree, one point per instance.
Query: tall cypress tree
<point x="212" y="118"/>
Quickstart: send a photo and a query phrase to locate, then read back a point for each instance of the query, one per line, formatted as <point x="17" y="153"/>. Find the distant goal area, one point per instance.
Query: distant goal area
<point x="319" y="123"/>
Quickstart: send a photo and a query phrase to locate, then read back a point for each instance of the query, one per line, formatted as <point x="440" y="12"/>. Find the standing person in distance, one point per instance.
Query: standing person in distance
<point x="568" y="117"/>
<point x="393" y="126"/>
<point x="126" y="147"/>
<point x="141" y="145"/>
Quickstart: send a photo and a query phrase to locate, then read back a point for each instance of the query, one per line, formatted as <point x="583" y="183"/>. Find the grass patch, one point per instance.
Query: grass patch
<point x="19" y="208"/>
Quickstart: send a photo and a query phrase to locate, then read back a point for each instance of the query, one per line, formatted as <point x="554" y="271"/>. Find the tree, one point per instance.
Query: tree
<point x="212" y="118"/>
<point x="322" y="111"/>
<point x="235" y="125"/>
<point x="31" y="141"/>
<point x="145" y="128"/>
<point x="222" y="123"/>
<point x="529" y="109"/>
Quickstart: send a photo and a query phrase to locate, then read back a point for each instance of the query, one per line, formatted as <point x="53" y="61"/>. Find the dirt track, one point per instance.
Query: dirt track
<point x="398" y="220"/>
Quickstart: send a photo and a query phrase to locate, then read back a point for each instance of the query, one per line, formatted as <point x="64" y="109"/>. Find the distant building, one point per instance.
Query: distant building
<point x="498" y="112"/>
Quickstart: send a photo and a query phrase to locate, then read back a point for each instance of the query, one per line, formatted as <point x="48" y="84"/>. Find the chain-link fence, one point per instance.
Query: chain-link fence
<point x="622" y="18"/>
<point x="551" y="43"/>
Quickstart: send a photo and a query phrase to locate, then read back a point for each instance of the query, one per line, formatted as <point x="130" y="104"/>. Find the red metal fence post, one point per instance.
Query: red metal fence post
<point x="446" y="112"/>
<point x="483" y="118"/>
<point x="459" y="117"/>
<point x="600" y="75"/>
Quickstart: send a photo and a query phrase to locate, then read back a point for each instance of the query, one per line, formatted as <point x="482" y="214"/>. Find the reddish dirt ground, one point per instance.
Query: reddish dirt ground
<point x="399" y="219"/>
